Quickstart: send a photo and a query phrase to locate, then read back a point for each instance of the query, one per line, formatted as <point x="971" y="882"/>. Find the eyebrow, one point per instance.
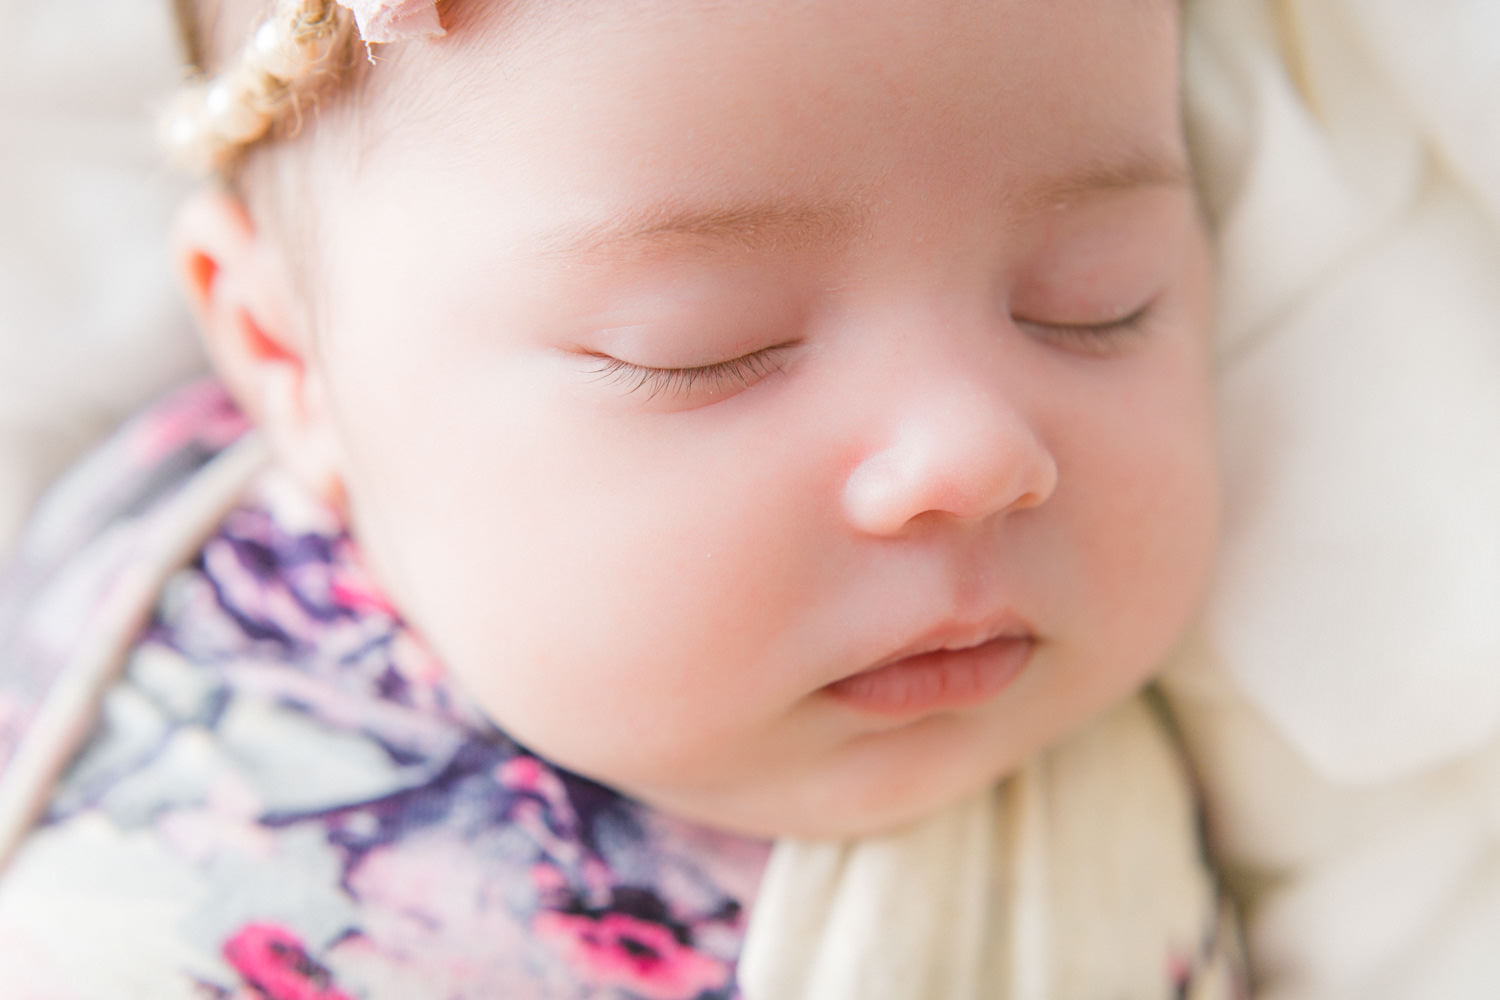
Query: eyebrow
<point x="1136" y="172"/>
<point x="753" y="226"/>
<point x="775" y="226"/>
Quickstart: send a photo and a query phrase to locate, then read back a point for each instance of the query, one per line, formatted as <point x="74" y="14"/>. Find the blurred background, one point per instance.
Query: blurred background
<point x="90" y="323"/>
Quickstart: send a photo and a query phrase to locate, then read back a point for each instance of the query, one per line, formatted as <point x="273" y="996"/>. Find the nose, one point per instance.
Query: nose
<point x="960" y="451"/>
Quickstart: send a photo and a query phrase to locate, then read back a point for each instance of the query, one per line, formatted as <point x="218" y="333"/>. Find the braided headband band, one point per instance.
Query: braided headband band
<point x="213" y="121"/>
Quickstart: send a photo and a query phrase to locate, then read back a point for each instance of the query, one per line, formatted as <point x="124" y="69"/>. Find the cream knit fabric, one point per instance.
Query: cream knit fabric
<point x="1080" y="877"/>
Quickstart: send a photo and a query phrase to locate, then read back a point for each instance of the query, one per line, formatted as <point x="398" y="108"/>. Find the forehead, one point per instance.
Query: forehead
<point x="581" y="120"/>
<point x="505" y="55"/>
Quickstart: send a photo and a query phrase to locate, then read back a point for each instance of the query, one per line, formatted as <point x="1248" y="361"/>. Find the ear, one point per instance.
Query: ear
<point x="257" y="336"/>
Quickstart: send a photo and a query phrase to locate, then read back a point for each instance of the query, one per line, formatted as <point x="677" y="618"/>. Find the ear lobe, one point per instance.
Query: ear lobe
<point x="236" y="282"/>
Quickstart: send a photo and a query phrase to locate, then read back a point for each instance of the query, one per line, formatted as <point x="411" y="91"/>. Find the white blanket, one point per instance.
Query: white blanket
<point x="1360" y="239"/>
<point x="1344" y="692"/>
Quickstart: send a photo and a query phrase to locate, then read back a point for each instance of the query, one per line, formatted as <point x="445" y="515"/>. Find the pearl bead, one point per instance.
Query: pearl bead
<point x="231" y="118"/>
<point x="275" y="52"/>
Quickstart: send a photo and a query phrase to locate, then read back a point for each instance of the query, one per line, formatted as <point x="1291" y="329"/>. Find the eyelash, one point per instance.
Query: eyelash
<point x="1091" y="338"/>
<point x="743" y="371"/>
<point x="1099" y="339"/>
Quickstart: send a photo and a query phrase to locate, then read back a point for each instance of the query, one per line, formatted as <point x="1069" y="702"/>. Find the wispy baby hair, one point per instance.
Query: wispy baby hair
<point x="301" y="46"/>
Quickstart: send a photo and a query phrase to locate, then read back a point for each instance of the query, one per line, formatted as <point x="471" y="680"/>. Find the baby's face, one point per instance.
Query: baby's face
<point x="691" y="359"/>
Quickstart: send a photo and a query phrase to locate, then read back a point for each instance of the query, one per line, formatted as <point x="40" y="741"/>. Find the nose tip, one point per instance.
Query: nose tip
<point x="962" y="466"/>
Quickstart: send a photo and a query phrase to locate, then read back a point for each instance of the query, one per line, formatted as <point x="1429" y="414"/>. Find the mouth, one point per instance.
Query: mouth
<point x="950" y="669"/>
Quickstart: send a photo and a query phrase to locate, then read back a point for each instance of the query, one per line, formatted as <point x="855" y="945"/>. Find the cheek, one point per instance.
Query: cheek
<point x="1157" y="533"/>
<point x="1151" y="487"/>
<point x="568" y="567"/>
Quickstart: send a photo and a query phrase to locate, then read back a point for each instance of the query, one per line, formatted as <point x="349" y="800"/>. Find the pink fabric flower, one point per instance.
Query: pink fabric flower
<point x="395" y="20"/>
<point x="274" y="961"/>
<point x="617" y="949"/>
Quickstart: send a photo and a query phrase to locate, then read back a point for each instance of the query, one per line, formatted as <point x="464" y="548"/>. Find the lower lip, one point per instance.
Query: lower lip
<point x="937" y="681"/>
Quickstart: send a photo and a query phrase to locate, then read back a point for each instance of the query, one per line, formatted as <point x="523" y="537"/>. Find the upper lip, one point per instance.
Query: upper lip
<point x="958" y="635"/>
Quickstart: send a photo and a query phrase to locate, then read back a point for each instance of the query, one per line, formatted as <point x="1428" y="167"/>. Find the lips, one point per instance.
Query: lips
<point x="951" y="668"/>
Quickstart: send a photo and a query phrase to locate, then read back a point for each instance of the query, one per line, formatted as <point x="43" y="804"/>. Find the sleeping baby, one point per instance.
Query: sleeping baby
<point x="664" y="458"/>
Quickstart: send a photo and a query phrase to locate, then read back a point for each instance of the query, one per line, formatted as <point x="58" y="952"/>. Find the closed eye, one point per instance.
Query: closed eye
<point x="1094" y="339"/>
<point x="718" y="377"/>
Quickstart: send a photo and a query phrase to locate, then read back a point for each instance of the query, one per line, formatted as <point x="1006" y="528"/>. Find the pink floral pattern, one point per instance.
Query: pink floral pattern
<point x="274" y="961"/>
<point x="643" y="957"/>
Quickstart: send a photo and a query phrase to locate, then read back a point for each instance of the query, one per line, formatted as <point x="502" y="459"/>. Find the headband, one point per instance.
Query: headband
<point x="213" y="121"/>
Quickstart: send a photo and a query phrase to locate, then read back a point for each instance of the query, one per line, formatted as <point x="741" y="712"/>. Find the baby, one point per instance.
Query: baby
<point x="677" y="426"/>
